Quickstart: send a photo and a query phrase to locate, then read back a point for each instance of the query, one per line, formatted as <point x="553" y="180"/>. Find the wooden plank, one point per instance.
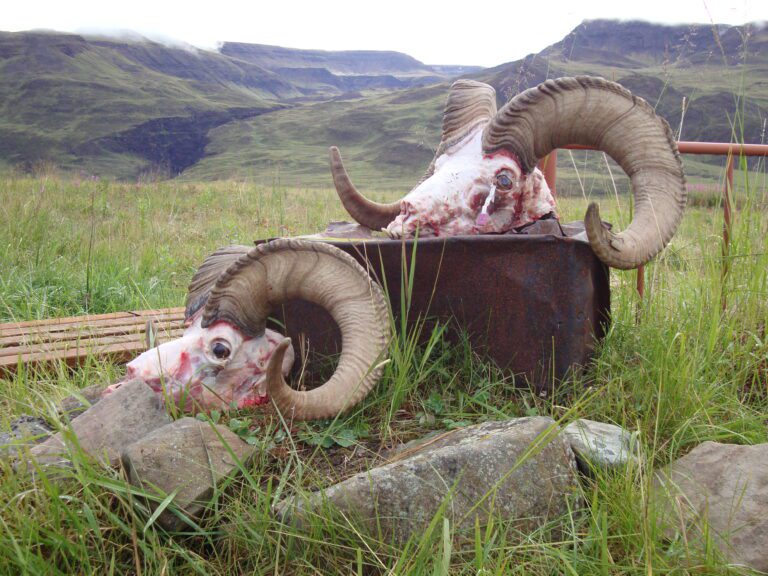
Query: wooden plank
<point x="54" y="342"/>
<point x="34" y="336"/>
<point x="68" y="320"/>
<point x="119" y="336"/>
<point x="12" y="329"/>
<point x="178" y="311"/>
<point x="86" y="344"/>
<point x="118" y="353"/>
<point x="93" y="317"/>
<point x="121" y="349"/>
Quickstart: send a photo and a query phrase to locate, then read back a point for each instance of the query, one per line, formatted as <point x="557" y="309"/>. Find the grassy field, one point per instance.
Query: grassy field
<point x="674" y="368"/>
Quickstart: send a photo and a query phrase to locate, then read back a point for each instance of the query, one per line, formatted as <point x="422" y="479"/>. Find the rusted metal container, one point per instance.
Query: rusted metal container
<point x="534" y="304"/>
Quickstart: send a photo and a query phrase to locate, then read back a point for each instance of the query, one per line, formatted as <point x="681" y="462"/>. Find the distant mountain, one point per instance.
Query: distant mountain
<point x="721" y="71"/>
<point x="345" y="62"/>
<point x="388" y="140"/>
<point x="320" y="72"/>
<point x="636" y="44"/>
<point x="252" y="111"/>
<point x="119" y="107"/>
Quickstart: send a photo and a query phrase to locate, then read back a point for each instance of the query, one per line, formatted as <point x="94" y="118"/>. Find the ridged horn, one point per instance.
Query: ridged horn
<point x="368" y="213"/>
<point x="205" y="278"/>
<point x="288" y="269"/>
<point x="470" y="105"/>
<point x="596" y="112"/>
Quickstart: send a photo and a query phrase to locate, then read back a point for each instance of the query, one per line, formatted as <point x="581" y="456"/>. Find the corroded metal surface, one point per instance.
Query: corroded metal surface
<point x="535" y="304"/>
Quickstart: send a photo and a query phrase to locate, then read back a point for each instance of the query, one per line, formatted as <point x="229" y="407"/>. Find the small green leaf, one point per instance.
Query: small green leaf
<point x="435" y="403"/>
<point x="323" y="440"/>
<point x="345" y="438"/>
<point x="453" y="424"/>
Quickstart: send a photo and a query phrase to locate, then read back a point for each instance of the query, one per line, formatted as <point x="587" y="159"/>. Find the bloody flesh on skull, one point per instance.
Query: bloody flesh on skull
<point x="210" y="368"/>
<point x="483" y="178"/>
<point x="228" y="358"/>
<point x="472" y="193"/>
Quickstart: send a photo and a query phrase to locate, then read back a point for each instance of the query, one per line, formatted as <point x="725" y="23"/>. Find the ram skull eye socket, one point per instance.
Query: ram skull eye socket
<point x="505" y="180"/>
<point x="221" y="350"/>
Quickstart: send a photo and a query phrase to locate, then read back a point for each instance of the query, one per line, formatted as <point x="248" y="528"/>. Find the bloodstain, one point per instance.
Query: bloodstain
<point x="185" y="365"/>
<point x="503" y="152"/>
<point x="518" y="210"/>
<point x="250" y="401"/>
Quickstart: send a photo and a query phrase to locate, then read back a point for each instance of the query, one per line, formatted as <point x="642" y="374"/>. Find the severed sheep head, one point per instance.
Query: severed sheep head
<point x="483" y="177"/>
<point x="217" y="367"/>
<point x="227" y="357"/>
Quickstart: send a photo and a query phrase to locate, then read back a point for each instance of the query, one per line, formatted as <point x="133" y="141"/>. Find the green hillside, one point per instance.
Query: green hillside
<point x="388" y="140"/>
<point x="118" y="108"/>
<point x="64" y="99"/>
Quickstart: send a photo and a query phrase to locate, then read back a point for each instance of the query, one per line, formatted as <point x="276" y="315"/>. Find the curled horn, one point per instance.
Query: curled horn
<point x="371" y="214"/>
<point x="288" y="269"/>
<point x="595" y="112"/>
<point x="470" y="105"/>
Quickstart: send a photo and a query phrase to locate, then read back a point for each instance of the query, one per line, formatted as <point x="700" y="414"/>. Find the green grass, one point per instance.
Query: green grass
<point x="674" y="368"/>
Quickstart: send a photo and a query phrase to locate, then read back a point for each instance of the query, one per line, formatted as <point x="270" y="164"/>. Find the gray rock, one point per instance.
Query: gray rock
<point x="187" y="456"/>
<point x="597" y="444"/>
<point x="520" y="470"/>
<point x="77" y="403"/>
<point x="102" y="431"/>
<point x="25" y="431"/>
<point x="726" y="486"/>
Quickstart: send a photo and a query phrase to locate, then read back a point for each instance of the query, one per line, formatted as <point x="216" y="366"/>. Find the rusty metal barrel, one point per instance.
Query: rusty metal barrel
<point x="534" y="304"/>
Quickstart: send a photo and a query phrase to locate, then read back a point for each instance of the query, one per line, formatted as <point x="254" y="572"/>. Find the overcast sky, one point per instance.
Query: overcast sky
<point x="485" y="32"/>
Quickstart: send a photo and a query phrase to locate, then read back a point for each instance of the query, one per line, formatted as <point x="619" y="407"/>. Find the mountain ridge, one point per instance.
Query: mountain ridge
<point x="120" y="107"/>
<point x="388" y="140"/>
<point x="339" y="62"/>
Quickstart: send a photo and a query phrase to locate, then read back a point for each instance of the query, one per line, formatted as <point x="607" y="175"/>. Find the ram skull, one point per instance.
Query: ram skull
<point x="483" y="178"/>
<point x="227" y="358"/>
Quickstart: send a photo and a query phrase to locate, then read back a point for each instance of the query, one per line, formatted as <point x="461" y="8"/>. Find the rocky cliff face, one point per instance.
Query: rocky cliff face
<point x="365" y="62"/>
<point x="172" y="144"/>
<point x="636" y="43"/>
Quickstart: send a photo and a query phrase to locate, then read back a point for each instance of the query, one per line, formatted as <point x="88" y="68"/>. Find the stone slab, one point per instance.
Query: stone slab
<point x="722" y="488"/>
<point x="519" y="470"/>
<point x="187" y="456"/>
<point x="102" y="431"/>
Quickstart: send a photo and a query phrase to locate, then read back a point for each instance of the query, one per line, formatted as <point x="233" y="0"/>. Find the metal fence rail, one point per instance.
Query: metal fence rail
<point x="548" y="166"/>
